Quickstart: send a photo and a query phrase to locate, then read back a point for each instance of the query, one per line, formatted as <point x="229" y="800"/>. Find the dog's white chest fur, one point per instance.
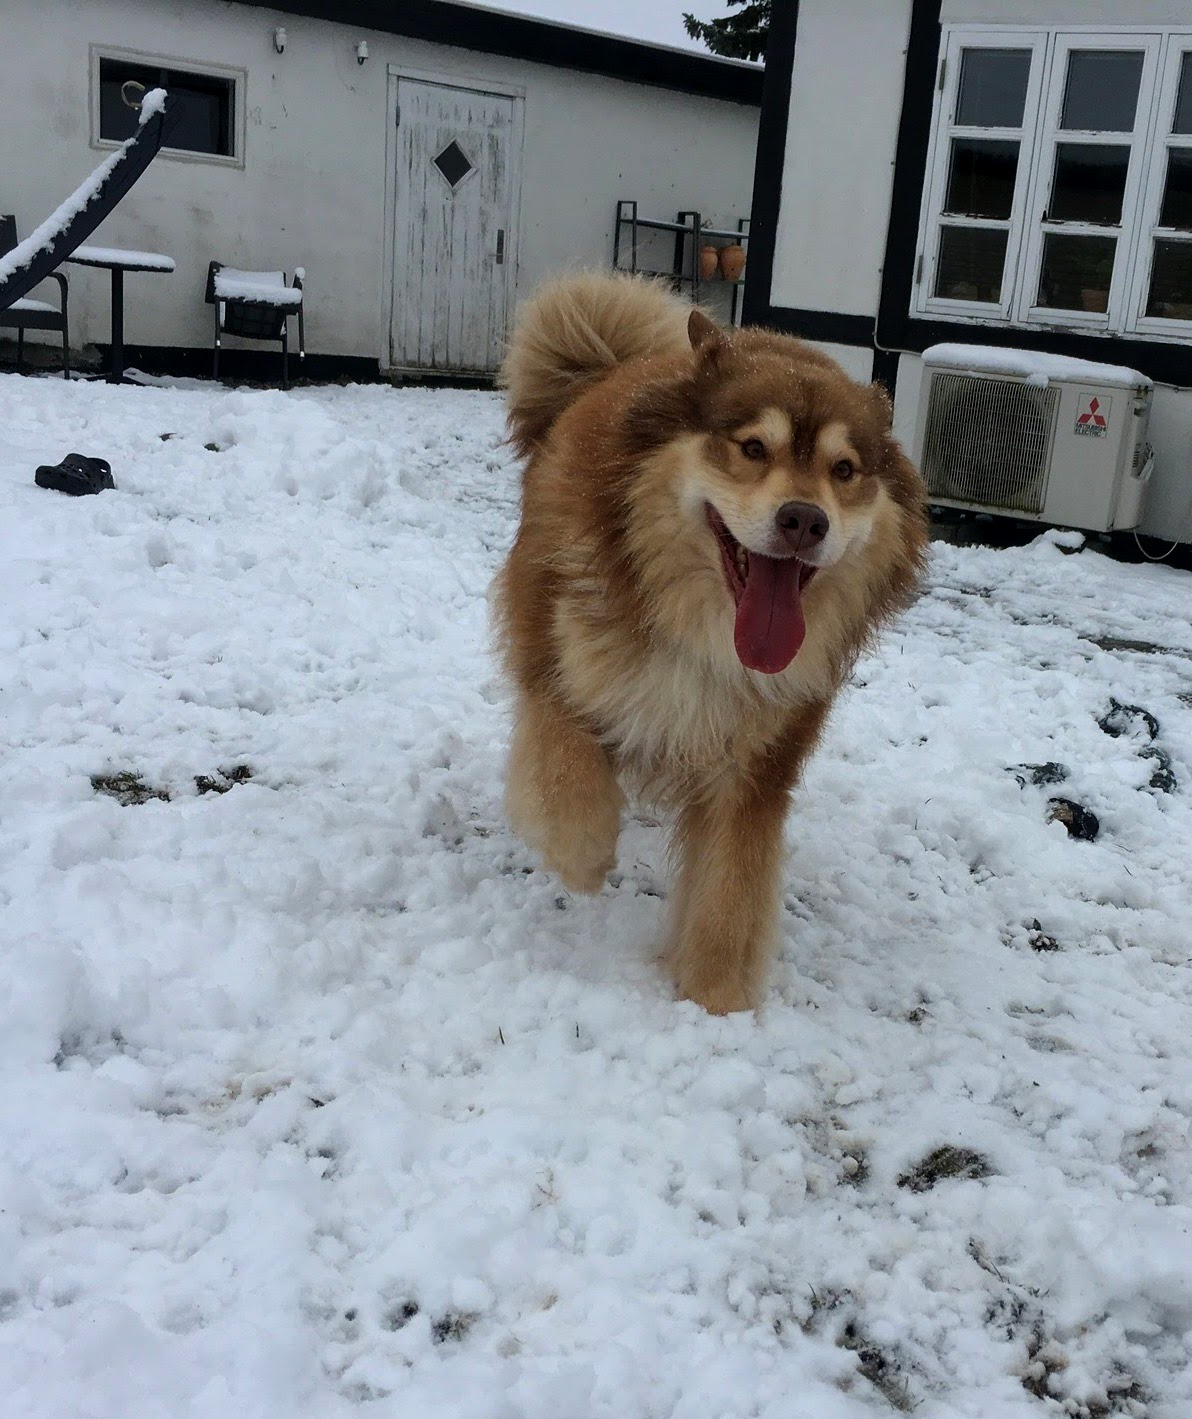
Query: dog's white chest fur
<point x="668" y="716"/>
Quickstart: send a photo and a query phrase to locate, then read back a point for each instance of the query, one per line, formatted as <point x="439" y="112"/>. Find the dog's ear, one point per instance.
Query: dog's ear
<point x="878" y="398"/>
<point x="707" y="338"/>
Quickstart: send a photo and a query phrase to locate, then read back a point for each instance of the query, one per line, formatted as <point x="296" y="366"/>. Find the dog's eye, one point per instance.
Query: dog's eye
<point x="843" y="469"/>
<point x="753" y="448"/>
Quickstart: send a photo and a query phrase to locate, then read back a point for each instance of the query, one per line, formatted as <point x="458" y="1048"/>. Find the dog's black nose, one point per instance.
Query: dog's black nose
<point x="804" y="525"/>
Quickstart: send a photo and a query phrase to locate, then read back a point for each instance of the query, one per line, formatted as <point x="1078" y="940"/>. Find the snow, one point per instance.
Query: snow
<point x="46" y="234"/>
<point x="1037" y="366"/>
<point x="121" y="256"/>
<point x="319" y="1099"/>
<point x="40" y="307"/>
<point x="268" y="287"/>
<point x="151" y="105"/>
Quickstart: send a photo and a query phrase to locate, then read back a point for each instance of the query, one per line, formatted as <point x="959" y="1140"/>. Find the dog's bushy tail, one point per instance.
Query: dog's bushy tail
<point x="572" y="333"/>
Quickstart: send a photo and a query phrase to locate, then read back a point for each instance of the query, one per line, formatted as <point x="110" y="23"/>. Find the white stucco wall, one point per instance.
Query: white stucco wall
<point x="1169" y="512"/>
<point x="855" y="360"/>
<point x="846" y="96"/>
<point x="312" y="188"/>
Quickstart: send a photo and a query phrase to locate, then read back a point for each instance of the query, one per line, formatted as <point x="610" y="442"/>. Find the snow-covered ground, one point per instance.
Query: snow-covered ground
<point x="318" y="1099"/>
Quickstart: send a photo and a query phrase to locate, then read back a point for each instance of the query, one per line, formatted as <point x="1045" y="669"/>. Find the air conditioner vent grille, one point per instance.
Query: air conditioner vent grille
<point x="988" y="441"/>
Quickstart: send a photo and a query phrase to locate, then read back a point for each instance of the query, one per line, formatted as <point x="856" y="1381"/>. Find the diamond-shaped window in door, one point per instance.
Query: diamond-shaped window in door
<point x="453" y="163"/>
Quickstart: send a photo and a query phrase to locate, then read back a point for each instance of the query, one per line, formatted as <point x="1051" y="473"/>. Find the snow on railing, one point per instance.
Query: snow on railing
<point x="32" y="251"/>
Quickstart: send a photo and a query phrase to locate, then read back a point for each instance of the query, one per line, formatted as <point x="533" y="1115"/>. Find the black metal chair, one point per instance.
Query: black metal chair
<point x="28" y="314"/>
<point x="256" y="305"/>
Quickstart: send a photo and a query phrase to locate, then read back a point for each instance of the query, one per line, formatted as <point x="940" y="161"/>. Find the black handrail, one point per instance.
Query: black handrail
<point x="131" y="161"/>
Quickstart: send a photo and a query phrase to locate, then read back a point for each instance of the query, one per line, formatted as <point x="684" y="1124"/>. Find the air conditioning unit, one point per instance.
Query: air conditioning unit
<point x="1035" y="436"/>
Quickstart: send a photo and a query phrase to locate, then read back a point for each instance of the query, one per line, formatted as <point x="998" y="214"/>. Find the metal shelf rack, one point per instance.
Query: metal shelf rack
<point x="689" y="233"/>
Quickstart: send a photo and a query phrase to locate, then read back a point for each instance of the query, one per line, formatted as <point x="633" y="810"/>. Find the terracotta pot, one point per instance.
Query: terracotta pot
<point x="732" y="262"/>
<point x="709" y="261"/>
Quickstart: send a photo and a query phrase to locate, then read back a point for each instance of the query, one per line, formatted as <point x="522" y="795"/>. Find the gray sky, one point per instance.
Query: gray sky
<point x="657" y="20"/>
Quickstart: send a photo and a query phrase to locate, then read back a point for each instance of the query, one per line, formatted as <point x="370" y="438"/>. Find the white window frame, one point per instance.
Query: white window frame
<point x="1050" y="135"/>
<point x="944" y="129"/>
<point x="1150" y="142"/>
<point x="237" y="77"/>
<point x="1178" y="44"/>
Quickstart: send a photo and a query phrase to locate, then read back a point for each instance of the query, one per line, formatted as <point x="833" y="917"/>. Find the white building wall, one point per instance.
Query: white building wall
<point x="312" y="189"/>
<point x="1169" y="512"/>
<point x="846" y="97"/>
<point x="855" y="360"/>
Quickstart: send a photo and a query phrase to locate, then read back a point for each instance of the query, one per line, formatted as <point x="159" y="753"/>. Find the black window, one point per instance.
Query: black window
<point x="205" y="105"/>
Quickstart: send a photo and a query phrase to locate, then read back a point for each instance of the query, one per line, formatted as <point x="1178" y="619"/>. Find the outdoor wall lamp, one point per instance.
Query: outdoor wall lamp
<point x="362" y="51"/>
<point x="279" y="39"/>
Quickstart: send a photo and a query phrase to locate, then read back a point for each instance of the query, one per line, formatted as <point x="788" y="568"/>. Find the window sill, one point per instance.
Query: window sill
<point x="1152" y="331"/>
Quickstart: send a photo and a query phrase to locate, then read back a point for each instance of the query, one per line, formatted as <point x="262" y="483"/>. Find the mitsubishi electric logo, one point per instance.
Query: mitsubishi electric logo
<point x="1093" y="420"/>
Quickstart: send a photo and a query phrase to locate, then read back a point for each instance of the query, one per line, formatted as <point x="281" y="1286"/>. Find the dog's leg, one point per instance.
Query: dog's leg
<point x="730" y="851"/>
<point x="562" y="796"/>
<point x="729" y="844"/>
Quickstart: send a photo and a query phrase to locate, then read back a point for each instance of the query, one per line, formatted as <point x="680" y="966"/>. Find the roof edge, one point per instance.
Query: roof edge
<point x="473" y="27"/>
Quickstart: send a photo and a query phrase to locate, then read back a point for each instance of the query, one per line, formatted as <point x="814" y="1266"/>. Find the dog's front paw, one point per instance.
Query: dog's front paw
<point x="582" y="859"/>
<point x="718" y="992"/>
<point x="711" y="973"/>
<point x="717" y="997"/>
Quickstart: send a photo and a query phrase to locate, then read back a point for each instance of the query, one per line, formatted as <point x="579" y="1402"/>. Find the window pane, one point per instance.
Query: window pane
<point x="1177" y="192"/>
<point x="993" y="87"/>
<point x="1171" y="281"/>
<point x="970" y="264"/>
<point x="1089" y="183"/>
<point x="1183" y="98"/>
<point x="204" y="105"/>
<point x="116" y="120"/>
<point x="453" y="163"/>
<point x="1101" y="94"/>
<point x="981" y="178"/>
<point x="1076" y="272"/>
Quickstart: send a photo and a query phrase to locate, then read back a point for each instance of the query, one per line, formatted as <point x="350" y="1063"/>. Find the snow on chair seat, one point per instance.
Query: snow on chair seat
<point x="266" y="287"/>
<point x="27" y="303"/>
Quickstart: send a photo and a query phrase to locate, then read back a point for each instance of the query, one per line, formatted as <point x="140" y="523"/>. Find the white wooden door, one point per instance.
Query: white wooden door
<point x="455" y="187"/>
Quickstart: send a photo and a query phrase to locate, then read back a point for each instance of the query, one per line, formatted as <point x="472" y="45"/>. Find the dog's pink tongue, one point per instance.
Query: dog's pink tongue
<point x="770" y="626"/>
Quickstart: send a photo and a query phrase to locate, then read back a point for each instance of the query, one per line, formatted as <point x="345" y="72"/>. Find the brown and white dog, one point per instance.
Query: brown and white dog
<point x="713" y="526"/>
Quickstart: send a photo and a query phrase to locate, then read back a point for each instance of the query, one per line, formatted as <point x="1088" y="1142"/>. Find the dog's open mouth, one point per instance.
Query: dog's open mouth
<point x="768" y="592"/>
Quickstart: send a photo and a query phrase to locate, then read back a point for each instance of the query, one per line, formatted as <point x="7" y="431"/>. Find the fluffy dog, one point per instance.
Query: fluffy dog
<point x="713" y="525"/>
